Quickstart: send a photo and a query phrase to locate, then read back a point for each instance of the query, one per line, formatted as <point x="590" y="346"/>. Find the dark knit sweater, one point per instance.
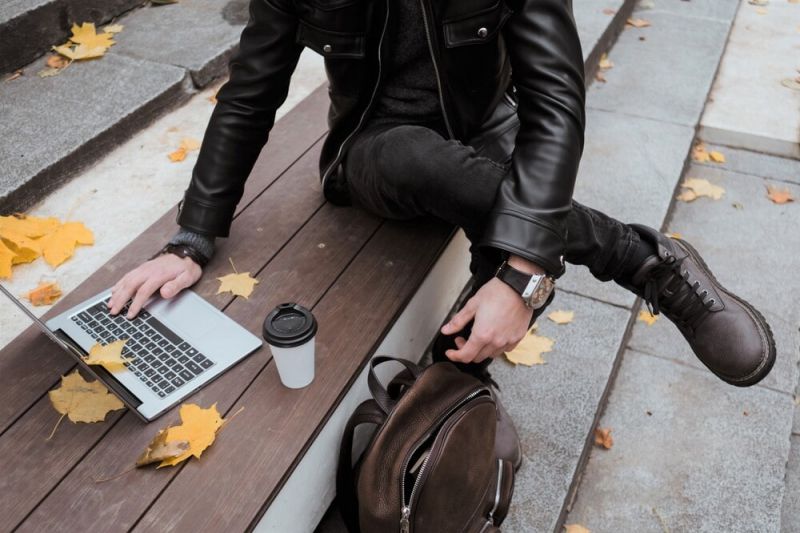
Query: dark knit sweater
<point x="409" y="93"/>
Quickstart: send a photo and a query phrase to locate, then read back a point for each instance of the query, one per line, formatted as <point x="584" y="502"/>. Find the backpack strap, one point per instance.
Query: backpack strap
<point x="382" y="397"/>
<point x="367" y="413"/>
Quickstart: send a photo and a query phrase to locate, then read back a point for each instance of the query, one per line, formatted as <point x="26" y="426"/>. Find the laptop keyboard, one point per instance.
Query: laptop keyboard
<point x="159" y="357"/>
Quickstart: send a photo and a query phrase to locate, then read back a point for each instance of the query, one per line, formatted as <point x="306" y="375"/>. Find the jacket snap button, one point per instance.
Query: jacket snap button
<point x="327" y="48"/>
<point x="482" y="32"/>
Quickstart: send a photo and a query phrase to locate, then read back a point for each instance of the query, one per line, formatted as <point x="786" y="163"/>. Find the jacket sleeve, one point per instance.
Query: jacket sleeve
<point x="239" y="127"/>
<point x="530" y="211"/>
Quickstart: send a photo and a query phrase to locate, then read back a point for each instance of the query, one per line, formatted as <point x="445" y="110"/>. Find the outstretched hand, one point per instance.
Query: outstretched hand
<point x="501" y="322"/>
<point x="166" y="273"/>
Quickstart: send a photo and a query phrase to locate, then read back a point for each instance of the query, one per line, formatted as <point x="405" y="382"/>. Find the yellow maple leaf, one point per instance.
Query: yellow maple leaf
<point x="240" y="284"/>
<point x="87" y="35"/>
<point x="638" y="22"/>
<point x="561" y="317"/>
<point x="700" y="153"/>
<point x="602" y="437"/>
<point x="198" y="427"/>
<point x="779" y="196"/>
<point x="160" y="450"/>
<point x="530" y="349"/>
<point x="700" y="187"/>
<point x="32" y="227"/>
<point x="59" y="245"/>
<point x="717" y="157"/>
<point x="80" y="51"/>
<point x="605" y="63"/>
<point x="25" y="248"/>
<point x="575" y="528"/>
<point x="647" y="317"/>
<point x="83" y="401"/>
<point x="45" y="294"/>
<point x="109" y="356"/>
<point x="6" y="259"/>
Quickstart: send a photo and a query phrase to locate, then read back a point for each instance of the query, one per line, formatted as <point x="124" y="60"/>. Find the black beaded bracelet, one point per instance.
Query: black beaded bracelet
<point x="183" y="250"/>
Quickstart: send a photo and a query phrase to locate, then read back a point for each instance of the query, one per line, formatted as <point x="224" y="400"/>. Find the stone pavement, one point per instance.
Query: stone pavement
<point x="692" y="453"/>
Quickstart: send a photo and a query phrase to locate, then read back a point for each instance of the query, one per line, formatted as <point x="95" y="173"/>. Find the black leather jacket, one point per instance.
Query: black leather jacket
<point x="476" y="46"/>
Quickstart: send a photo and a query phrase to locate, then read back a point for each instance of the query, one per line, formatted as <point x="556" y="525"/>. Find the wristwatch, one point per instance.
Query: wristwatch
<point x="533" y="288"/>
<point x="183" y="250"/>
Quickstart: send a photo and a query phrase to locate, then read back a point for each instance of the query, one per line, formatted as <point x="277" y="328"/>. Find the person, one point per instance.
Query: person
<point x="472" y="112"/>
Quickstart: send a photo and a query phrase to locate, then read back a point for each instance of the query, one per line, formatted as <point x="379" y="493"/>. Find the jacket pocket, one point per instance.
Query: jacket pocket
<point x="476" y="28"/>
<point x="331" y="43"/>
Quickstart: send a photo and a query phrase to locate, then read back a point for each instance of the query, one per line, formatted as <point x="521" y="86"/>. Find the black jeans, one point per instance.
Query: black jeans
<point x="402" y="171"/>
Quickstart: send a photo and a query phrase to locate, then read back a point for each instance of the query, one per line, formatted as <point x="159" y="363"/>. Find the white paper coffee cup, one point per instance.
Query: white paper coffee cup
<point x="290" y="330"/>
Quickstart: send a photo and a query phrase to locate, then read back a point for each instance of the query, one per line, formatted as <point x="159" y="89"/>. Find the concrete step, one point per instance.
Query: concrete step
<point x="755" y="101"/>
<point x="162" y="56"/>
<point x="28" y="28"/>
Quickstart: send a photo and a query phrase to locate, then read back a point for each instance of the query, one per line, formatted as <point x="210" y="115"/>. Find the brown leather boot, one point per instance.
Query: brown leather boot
<point x="728" y="335"/>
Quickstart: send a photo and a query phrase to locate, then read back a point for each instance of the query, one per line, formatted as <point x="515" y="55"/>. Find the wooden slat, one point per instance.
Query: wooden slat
<point x="31" y="364"/>
<point x="293" y="199"/>
<point x="303" y="271"/>
<point x="241" y="475"/>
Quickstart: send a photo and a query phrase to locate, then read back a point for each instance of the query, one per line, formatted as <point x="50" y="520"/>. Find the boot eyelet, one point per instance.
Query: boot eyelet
<point x="711" y="301"/>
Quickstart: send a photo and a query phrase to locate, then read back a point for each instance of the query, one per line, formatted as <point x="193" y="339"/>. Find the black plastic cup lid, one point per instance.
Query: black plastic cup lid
<point x="289" y="325"/>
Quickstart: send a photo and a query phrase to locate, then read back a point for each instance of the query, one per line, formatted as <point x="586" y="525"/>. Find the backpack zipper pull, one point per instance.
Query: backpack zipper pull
<point x="405" y="526"/>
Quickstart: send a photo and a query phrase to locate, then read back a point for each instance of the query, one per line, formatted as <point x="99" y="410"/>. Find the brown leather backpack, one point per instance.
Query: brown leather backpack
<point x="430" y="466"/>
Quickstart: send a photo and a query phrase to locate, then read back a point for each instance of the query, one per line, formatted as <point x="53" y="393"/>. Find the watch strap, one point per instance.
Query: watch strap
<point x="183" y="250"/>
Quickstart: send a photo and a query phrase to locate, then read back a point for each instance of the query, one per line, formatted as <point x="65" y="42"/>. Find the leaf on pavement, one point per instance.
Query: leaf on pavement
<point x="647" y="317"/>
<point x="605" y="63"/>
<point x="109" y="356"/>
<point x="700" y="153"/>
<point x="530" y="349"/>
<point x="602" y="437"/>
<point x="113" y="28"/>
<point x="85" y="43"/>
<point x="25" y="249"/>
<point x="83" y="401"/>
<point x="198" y="427"/>
<point x="575" y="528"/>
<point x="45" y="294"/>
<point x="697" y="187"/>
<point x="240" y="284"/>
<point x="561" y="317"/>
<point x="187" y="145"/>
<point x="33" y="227"/>
<point x="160" y="450"/>
<point x="716" y="157"/>
<point x="779" y="196"/>
<point x="637" y="22"/>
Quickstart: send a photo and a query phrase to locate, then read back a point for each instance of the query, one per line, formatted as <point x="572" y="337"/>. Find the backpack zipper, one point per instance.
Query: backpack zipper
<point x="497" y="492"/>
<point x="405" y="512"/>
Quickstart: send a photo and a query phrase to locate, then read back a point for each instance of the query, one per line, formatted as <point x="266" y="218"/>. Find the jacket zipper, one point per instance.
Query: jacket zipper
<point x="405" y="512"/>
<point x="435" y="68"/>
<point x="369" y="104"/>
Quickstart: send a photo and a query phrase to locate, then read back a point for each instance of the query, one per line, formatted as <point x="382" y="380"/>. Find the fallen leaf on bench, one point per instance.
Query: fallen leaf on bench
<point x="82" y="401"/>
<point x="59" y="245"/>
<point x="561" y="317"/>
<point x="160" y="450"/>
<point x="32" y="227"/>
<point x="697" y="187"/>
<point x="45" y="294"/>
<point x="530" y="349"/>
<point x="198" y="427"/>
<point x="240" y="284"/>
<point x="779" y="196"/>
<point x="602" y="437"/>
<point x="109" y="356"/>
<point x="647" y="317"/>
<point x="187" y="145"/>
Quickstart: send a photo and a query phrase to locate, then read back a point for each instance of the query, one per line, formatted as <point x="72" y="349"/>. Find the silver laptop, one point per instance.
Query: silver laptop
<point x="176" y="346"/>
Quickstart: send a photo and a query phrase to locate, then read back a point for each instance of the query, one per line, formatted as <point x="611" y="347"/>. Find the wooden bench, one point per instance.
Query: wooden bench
<point x="374" y="286"/>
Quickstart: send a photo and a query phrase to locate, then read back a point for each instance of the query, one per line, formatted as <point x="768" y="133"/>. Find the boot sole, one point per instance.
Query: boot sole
<point x="768" y="362"/>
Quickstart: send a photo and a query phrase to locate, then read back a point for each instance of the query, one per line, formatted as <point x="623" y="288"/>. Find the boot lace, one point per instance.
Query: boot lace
<point x="670" y="289"/>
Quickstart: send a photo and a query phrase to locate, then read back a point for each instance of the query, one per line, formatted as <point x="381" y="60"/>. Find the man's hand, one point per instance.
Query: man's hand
<point x="501" y="321"/>
<point x="167" y="272"/>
